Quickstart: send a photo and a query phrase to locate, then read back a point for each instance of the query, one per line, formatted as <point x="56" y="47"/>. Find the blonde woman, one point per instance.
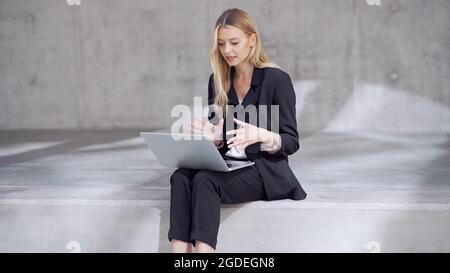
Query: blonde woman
<point x="242" y="75"/>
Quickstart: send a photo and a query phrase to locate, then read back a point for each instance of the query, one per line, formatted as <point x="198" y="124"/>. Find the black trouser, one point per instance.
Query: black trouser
<point x="196" y="196"/>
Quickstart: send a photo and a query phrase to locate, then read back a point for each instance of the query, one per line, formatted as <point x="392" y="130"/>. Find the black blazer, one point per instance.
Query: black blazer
<point x="274" y="87"/>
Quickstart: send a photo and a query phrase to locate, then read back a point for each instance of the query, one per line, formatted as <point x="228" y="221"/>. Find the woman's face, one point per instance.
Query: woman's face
<point x="234" y="44"/>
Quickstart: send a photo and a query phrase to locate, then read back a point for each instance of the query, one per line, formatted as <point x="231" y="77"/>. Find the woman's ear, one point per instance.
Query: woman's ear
<point x="252" y="39"/>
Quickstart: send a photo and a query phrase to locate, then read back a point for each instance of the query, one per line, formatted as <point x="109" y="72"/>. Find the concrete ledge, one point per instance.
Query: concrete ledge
<point x="50" y="225"/>
<point x="279" y="204"/>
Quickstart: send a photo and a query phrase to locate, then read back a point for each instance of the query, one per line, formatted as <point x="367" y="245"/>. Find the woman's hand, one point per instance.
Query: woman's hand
<point x="204" y="127"/>
<point x="246" y="135"/>
<point x="249" y="134"/>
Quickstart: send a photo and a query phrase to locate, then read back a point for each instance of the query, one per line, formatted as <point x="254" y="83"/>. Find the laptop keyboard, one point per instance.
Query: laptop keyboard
<point x="233" y="163"/>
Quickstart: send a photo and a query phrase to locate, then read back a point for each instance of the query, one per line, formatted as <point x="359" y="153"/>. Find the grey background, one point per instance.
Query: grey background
<point x="125" y="64"/>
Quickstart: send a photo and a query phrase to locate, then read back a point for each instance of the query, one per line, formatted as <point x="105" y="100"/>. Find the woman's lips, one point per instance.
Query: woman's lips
<point x="230" y="58"/>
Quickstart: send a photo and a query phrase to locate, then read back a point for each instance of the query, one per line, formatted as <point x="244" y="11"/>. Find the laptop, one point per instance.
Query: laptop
<point x="190" y="151"/>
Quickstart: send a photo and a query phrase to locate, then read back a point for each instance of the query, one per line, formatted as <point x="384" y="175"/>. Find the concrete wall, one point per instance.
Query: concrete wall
<point x="122" y="64"/>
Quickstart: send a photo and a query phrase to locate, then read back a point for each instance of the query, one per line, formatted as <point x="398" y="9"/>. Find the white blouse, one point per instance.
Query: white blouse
<point x="234" y="152"/>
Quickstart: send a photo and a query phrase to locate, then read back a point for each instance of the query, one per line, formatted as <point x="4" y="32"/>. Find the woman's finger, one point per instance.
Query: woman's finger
<point x="201" y="121"/>
<point x="231" y="140"/>
<point x="198" y="122"/>
<point x="239" y="122"/>
<point x="241" y="146"/>
<point x="196" y="127"/>
<point x="236" y="131"/>
<point x="237" y="143"/>
<point x="244" y="145"/>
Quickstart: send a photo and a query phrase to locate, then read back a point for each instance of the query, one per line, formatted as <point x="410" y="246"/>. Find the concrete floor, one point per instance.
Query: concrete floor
<point x="103" y="191"/>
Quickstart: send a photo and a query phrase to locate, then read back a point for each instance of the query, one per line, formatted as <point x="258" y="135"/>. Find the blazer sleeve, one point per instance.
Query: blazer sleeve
<point x="284" y="96"/>
<point x="211" y="115"/>
<point x="210" y="96"/>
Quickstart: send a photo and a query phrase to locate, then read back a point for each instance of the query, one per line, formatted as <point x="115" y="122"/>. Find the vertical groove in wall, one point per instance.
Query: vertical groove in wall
<point x="354" y="45"/>
<point x="7" y="61"/>
<point x="79" y="64"/>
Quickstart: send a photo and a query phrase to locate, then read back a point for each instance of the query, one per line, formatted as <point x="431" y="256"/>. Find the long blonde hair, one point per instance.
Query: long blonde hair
<point x="221" y="70"/>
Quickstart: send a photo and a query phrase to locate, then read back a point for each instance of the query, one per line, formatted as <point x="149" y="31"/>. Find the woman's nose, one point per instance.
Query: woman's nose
<point x="227" y="48"/>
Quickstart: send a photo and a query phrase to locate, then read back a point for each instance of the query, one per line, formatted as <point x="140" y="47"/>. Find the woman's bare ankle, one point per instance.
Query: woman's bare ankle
<point x="202" y="247"/>
<point x="181" y="246"/>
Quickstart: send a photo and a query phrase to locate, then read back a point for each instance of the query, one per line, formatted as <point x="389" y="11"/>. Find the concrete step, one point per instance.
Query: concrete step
<point x="94" y="225"/>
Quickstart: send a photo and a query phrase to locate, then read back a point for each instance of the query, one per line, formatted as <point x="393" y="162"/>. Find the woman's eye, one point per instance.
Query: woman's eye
<point x="231" y="43"/>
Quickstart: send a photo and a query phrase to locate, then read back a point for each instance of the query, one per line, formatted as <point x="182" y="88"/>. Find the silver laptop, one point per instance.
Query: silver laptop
<point x="189" y="151"/>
